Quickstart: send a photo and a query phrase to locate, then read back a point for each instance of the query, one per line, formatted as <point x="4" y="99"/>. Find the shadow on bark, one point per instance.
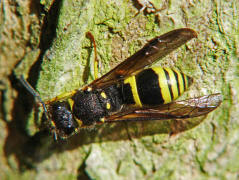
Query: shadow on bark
<point x="18" y="138"/>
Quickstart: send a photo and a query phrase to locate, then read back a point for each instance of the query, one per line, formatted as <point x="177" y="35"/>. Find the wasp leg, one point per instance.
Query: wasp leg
<point x="96" y="61"/>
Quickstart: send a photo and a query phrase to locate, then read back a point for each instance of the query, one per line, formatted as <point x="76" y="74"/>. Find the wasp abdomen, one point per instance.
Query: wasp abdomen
<point x="154" y="86"/>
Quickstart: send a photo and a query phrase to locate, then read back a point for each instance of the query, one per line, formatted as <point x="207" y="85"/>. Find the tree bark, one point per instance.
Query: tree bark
<point x="46" y="42"/>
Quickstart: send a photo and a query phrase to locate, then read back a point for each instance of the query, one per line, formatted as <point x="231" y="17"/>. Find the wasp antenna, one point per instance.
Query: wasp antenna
<point x="34" y="93"/>
<point x="55" y="136"/>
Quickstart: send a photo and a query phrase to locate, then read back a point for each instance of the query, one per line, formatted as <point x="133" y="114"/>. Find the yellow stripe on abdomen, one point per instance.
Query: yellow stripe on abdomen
<point x="180" y="81"/>
<point x="163" y="84"/>
<point x="131" y="80"/>
<point x="186" y="81"/>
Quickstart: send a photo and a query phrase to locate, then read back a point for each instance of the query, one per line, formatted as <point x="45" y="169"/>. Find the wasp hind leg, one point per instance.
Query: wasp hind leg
<point x="96" y="61"/>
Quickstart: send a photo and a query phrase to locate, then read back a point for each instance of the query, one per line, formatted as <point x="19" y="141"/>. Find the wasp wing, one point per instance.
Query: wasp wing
<point x="185" y="109"/>
<point x="156" y="48"/>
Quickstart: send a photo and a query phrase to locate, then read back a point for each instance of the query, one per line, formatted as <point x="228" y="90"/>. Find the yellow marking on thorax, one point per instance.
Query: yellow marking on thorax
<point x="79" y="121"/>
<point x="131" y="80"/>
<point x="102" y="120"/>
<point x="163" y="84"/>
<point x="71" y="102"/>
<point x="88" y="88"/>
<point x="103" y="95"/>
<point x="180" y="81"/>
<point x="108" y="106"/>
<point x="173" y="82"/>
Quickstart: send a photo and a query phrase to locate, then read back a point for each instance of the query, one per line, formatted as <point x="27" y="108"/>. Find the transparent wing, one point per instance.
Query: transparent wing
<point x="155" y="49"/>
<point x="189" y="108"/>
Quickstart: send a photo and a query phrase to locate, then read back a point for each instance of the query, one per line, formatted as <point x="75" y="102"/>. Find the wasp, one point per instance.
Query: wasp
<point x="130" y="92"/>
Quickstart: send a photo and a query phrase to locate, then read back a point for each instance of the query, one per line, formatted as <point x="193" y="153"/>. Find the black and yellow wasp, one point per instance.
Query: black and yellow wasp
<point x="129" y="92"/>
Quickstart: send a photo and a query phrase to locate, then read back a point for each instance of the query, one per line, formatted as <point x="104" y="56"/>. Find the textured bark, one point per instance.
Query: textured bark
<point x="46" y="42"/>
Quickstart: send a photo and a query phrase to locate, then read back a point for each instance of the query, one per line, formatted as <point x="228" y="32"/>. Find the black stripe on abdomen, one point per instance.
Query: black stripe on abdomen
<point x="169" y="83"/>
<point x="148" y="87"/>
<point x="177" y="80"/>
<point x="127" y="94"/>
